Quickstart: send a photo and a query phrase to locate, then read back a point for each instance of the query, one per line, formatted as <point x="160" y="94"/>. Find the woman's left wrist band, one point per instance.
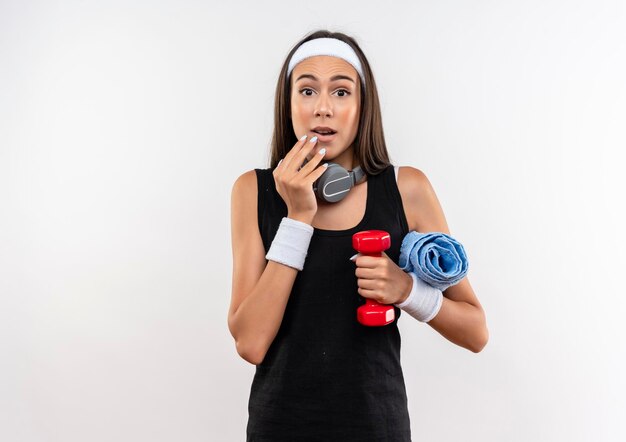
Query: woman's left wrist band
<point x="424" y="301"/>
<point x="291" y="243"/>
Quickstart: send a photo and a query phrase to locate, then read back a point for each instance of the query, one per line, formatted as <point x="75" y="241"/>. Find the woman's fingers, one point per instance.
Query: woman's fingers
<point x="300" y="156"/>
<point x="307" y="171"/>
<point x="313" y="162"/>
<point x="316" y="173"/>
<point x="294" y="185"/>
<point x="286" y="163"/>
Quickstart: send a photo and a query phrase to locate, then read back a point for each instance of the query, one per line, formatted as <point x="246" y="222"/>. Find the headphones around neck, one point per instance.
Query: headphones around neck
<point x="336" y="182"/>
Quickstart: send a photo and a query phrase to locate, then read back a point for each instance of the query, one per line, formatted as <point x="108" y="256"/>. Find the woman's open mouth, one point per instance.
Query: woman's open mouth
<point x="324" y="136"/>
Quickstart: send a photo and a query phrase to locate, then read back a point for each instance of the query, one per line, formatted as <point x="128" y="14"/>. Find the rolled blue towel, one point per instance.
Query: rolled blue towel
<point x="436" y="258"/>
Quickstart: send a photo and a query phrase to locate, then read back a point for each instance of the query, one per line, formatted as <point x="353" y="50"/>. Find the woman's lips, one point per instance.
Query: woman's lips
<point x="324" y="138"/>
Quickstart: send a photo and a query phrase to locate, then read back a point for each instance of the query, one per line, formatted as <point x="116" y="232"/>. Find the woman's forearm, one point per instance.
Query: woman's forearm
<point x="462" y="323"/>
<point x="256" y="322"/>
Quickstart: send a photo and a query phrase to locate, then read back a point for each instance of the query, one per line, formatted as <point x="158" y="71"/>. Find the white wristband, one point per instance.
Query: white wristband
<point x="424" y="301"/>
<point x="291" y="243"/>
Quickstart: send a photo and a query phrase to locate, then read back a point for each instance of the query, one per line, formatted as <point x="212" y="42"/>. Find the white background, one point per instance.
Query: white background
<point x="123" y="126"/>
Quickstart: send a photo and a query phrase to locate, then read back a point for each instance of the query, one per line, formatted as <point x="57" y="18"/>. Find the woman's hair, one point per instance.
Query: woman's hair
<point x="369" y="145"/>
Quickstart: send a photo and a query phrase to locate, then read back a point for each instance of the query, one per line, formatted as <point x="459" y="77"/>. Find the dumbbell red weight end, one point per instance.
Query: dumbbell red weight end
<point x="374" y="314"/>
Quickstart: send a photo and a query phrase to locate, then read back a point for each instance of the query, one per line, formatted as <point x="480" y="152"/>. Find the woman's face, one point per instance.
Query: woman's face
<point x="325" y="91"/>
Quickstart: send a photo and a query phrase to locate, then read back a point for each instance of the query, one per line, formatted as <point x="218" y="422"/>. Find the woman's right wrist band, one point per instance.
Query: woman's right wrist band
<point x="291" y="243"/>
<point x="424" y="301"/>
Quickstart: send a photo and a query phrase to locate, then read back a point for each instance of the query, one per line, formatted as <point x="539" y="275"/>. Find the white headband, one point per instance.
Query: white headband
<point x="326" y="46"/>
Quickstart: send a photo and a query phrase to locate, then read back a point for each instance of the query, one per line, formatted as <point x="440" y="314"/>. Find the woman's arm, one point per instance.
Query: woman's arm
<point x="260" y="289"/>
<point x="461" y="318"/>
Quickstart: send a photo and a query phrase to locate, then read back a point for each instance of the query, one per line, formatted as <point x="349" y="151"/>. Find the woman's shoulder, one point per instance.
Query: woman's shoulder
<point x="421" y="206"/>
<point x="245" y="188"/>
<point x="412" y="182"/>
<point x="246" y="179"/>
<point x="249" y="178"/>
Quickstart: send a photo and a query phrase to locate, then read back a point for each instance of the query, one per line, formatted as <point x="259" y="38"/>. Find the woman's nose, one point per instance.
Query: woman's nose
<point x="323" y="106"/>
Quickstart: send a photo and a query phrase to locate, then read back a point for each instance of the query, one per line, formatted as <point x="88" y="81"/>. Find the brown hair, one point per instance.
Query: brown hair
<point x="369" y="146"/>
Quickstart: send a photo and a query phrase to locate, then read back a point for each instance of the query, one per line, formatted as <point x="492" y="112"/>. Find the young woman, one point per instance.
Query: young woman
<point x="320" y="374"/>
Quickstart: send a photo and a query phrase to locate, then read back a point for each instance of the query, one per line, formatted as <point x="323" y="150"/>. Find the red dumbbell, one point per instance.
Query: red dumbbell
<point x="373" y="243"/>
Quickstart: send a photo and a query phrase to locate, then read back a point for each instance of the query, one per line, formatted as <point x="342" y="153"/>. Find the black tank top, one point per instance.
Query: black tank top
<point x="325" y="376"/>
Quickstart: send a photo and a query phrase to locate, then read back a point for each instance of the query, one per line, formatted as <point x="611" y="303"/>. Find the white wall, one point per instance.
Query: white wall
<point x="124" y="124"/>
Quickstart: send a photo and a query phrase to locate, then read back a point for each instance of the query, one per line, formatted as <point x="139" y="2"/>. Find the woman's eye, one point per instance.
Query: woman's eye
<point x="344" y="91"/>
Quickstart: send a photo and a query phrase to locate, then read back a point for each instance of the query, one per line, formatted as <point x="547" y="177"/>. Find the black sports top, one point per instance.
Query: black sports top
<point x="325" y="376"/>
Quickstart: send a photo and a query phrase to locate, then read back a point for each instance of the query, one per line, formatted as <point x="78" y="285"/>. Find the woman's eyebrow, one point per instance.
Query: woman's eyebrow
<point x="333" y="78"/>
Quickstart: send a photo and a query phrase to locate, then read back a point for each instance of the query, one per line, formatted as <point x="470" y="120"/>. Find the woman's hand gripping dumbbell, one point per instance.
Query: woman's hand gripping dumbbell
<point x="381" y="282"/>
